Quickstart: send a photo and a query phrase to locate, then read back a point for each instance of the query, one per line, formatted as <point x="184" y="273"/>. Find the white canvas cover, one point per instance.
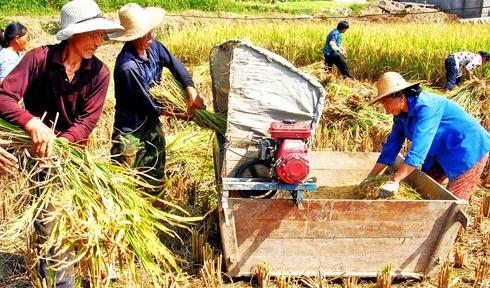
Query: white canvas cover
<point x="255" y="87"/>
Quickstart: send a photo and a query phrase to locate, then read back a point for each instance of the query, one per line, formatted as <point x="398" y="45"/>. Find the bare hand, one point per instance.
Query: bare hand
<point x="8" y="163"/>
<point x="197" y="102"/>
<point x="42" y="137"/>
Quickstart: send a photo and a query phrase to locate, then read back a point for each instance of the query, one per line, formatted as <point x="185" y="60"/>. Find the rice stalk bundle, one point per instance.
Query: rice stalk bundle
<point x="384" y="278"/>
<point x="369" y="189"/>
<point x="458" y="256"/>
<point x="482" y="271"/>
<point x="347" y="115"/>
<point x="262" y="272"/>
<point x="99" y="214"/>
<point x="189" y="173"/>
<point x="444" y="277"/>
<point x="171" y="94"/>
<point x="474" y="98"/>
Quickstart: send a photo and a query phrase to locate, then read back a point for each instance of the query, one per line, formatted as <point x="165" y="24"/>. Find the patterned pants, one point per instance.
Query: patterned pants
<point x="143" y="149"/>
<point x="463" y="185"/>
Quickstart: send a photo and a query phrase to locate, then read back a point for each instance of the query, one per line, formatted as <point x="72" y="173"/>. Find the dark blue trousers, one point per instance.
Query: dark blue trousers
<point x="451" y="73"/>
<point x="338" y="61"/>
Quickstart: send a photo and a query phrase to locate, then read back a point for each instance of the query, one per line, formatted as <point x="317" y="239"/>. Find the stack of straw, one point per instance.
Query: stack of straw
<point x="99" y="213"/>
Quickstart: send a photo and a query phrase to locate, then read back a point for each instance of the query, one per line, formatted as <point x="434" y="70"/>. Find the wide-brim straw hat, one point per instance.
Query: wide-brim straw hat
<point x="389" y="83"/>
<point x="79" y="16"/>
<point x="137" y="21"/>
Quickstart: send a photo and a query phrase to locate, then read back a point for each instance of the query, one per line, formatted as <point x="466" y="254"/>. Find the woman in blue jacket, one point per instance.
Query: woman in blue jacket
<point x="445" y="140"/>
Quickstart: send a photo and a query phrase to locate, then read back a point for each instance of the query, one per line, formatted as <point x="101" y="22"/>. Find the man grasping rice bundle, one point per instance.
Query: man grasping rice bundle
<point x="63" y="86"/>
<point x="138" y="139"/>
<point x="446" y="142"/>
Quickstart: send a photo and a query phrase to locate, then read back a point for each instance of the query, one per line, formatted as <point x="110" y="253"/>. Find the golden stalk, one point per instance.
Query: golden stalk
<point x="458" y="257"/>
<point x="384" y="278"/>
<point x="481" y="271"/>
<point x="444" y="275"/>
<point x="262" y="272"/>
<point x="485" y="205"/>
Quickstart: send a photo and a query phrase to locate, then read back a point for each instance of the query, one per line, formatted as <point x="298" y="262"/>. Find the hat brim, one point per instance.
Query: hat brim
<point x="153" y="17"/>
<point x="88" y="26"/>
<point x="379" y="97"/>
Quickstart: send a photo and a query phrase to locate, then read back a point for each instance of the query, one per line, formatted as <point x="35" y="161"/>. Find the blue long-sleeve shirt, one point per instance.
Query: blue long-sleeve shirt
<point x="335" y="36"/>
<point x="133" y="78"/>
<point x="439" y="130"/>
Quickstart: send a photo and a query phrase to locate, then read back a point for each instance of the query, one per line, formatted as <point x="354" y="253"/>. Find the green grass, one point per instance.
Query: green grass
<point x="293" y="7"/>
<point x="27" y="7"/>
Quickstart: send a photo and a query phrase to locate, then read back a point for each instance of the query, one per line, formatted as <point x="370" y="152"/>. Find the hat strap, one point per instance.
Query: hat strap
<point x="100" y="15"/>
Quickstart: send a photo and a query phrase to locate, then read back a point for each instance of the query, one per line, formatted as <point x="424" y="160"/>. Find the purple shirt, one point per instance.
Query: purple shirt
<point x="40" y="80"/>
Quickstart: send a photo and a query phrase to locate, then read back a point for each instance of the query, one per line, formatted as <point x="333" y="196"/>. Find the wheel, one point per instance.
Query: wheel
<point x="255" y="168"/>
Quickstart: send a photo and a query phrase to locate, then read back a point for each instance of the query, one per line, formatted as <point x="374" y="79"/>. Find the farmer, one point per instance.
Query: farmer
<point x="138" y="139"/>
<point x="62" y="86"/>
<point x="14" y="40"/>
<point x="445" y="140"/>
<point x="333" y="51"/>
<point x="461" y="63"/>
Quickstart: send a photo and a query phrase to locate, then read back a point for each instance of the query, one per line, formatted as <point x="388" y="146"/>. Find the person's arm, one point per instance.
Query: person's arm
<point x="12" y="91"/>
<point x="91" y="108"/>
<point x="195" y="100"/>
<point x="393" y="144"/>
<point x="183" y="76"/>
<point x="468" y="69"/>
<point x="333" y="44"/>
<point x="334" y="47"/>
<point x="378" y="167"/>
<point x="468" y="74"/>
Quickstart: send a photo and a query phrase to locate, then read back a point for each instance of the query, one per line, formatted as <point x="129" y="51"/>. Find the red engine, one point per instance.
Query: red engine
<point x="290" y="154"/>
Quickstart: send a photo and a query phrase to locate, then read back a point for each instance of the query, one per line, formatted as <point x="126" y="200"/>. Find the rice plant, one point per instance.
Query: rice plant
<point x="171" y="94"/>
<point x="417" y="50"/>
<point x="384" y="278"/>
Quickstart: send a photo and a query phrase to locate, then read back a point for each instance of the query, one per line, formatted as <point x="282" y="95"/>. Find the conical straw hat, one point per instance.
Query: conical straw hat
<point x="137" y="21"/>
<point x="389" y="83"/>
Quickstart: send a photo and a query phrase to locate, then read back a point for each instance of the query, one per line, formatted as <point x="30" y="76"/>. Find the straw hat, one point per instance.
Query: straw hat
<point x="79" y="16"/>
<point x="389" y="83"/>
<point x="137" y="21"/>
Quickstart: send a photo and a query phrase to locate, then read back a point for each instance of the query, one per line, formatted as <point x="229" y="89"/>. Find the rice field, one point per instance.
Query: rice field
<point x="417" y="50"/>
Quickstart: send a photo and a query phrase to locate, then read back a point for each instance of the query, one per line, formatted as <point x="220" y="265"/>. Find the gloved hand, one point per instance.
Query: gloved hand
<point x="388" y="189"/>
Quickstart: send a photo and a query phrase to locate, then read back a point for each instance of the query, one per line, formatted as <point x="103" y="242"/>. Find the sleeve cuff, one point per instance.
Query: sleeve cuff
<point x="24" y="119"/>
<point x="68" y="136"/>
<point x="414" y="159"/>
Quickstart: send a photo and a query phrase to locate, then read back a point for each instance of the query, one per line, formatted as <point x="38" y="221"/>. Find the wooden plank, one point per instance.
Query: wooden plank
<point x="445" y="241"/>
<point x="321" y="219"/>
<point x="425" y="185"/>
<point x="335" y="256"/>
<point x="228" y="235"/>
<point x="327" y="160"/>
